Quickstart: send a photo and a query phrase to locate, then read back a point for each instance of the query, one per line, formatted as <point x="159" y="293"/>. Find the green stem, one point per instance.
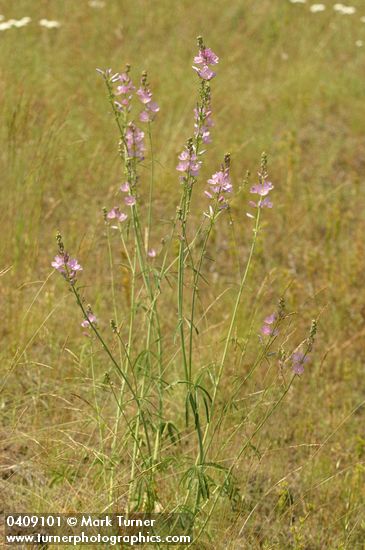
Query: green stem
<point x="104" y="345"/>
<point x="233" y="321"/>
<point x="97" y="409"/>
<point x="259" y="358"/>
<point x="195" y="289"/>
<point x="149" y="216"/>
<point x="242" y="450"/>
<point x="118" y="413"/>
<point x="180" y="283"/>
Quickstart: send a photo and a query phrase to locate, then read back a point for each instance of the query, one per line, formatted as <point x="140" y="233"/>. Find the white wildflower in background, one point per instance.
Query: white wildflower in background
<point x="17" y="23"/>
<point x="348" y="10"/>
<point x="359" y="43"/>
<point x="49" y="24"/>
<point x="317" y="8"/>
<point x="344" y="10"/>
<point x="21" y="22"/>
<point x="298" y="1"/>
<point x="362" y="19"/>
<point x="5" y="26"/>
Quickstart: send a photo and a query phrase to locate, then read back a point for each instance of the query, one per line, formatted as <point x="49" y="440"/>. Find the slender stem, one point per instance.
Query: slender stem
<point x="119" y="408"/>
<point x="237" y="458"/>
<point x="196" y="287"/>
<point x="180" y="297"/>
<point x="233" y="321"/>
<point x="153" y="321"/>
<point x="194" y="402"/>
<point x="97" y="408"/>
<point x="227" y="344"/>
<point x="118" y="368"/>
<point x="149" y="216"/>
<point x="185" y="206"/>
<point x="106" y="348"/>
<point x="259" y="358"/>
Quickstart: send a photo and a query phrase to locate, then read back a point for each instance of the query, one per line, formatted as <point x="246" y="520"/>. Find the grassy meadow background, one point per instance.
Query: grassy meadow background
<point x="291" y="83"/>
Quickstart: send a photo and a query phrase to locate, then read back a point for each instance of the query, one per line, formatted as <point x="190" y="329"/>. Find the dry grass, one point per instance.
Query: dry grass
<point x="290" y="83"/>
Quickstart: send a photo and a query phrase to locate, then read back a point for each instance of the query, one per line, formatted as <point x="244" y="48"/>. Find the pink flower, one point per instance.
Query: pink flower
<point x="125" y="187"/>
<point x="126" y="86"/>
<point x="62" y="262"/>
<point x="298" y="361"/>
<point x="221" y="181"/>
<point x="266" y="203"/>
<point x="130" y="200"/>
<point x="152" y="253"/>
<point x="68" y="267"/>
<point x="263" y="203"/>
<point x="115" y="213"/>
<point x="206" y="57"/>
<point x="270" y="319"/>
<point x="145" y="95"/>
<point x="189" y="163"/>
<point x="145" y="116"/>
<point x="125" y="90"/>
<point x="148" y="115"/>
<point x="267" y="329"/>
<point x="262" y="189"/>
<point x="91" y="319"/>
<point x="135" y="141"/>
<point x="203" y="122"/>
<point x="150" y="107"/>
<point x="205" y="72"/>
<point x="153" y="107"/>
<point x="74" y="265"/>
<point x="59" y="262"/>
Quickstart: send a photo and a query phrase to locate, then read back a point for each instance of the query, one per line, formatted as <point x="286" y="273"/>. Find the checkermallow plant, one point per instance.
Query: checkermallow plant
<point x="165" y="391"/>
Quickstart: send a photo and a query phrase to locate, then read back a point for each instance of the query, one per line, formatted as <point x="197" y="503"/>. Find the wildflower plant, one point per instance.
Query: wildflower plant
<point x="152" y="362"/>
